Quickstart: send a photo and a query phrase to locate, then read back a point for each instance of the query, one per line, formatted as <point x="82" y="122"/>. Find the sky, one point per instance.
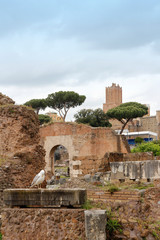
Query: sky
<point x="84" y="46"/>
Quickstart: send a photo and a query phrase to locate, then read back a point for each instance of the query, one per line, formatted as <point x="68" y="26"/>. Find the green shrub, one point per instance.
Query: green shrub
<point x="148" y="147"/>
<point x="44" y="118"/>
<point x="113" y="188"/>
<point x="0" y="236"/>
<point x="112" y="225"/>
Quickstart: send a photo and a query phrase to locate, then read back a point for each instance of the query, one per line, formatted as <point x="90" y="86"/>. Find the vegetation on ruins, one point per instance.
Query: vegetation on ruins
<point x="127" y="112"/>
<point x="112" y="225"/>
<point x="94" y="118"/>
<point x="36" y="104"/>
<point x="113" y="188"/>
<point x="62" y="101"/>
<point x="87" y="205"/>
<point x="148" y="147"/>
<point x="44" y="118"/>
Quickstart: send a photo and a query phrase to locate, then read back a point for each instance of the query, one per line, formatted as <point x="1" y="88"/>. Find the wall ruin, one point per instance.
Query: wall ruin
<point x="80" y="141"/>
<point x="21" y="155"/>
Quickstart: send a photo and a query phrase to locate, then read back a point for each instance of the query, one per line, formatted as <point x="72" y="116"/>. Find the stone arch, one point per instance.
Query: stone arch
<point x="50" y="145"/>
<point x="52" y="157"/>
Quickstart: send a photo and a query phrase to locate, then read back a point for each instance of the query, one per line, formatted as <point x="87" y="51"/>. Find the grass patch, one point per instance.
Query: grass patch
<point x="112" y="225"/>
<point x="87" y="205"/>
<point x="62" y="176"/>
<point x="113" y="188"/>
<point x="141" y="186"/>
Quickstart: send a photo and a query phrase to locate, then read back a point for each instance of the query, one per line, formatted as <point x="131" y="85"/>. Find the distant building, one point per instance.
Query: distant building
<point x="113" y="97"/>
<point x="146" y="123"/>
<point x="55" y="117"/>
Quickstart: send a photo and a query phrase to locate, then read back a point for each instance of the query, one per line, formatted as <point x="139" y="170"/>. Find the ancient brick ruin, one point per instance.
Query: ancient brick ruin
<point x="86" y="146"/>
<point x="21" y="155"/>
<point x="90" y="150"/>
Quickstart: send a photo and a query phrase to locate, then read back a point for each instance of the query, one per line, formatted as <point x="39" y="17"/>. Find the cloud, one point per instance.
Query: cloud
<point x="84" y="46"/>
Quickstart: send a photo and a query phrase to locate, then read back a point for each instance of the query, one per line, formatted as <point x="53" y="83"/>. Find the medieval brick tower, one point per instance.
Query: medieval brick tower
<point x="113" y="97"/>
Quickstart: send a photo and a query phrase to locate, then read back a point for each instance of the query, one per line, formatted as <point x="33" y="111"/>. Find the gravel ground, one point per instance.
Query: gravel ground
<point x="78" y="183"/>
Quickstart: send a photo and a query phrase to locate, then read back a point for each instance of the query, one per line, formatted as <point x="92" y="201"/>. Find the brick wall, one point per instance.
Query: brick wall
<point x="124" y="157"/>
<point x="107" y="197"/>
<point x="90" y="164"/>
<point x="83" y="143"/>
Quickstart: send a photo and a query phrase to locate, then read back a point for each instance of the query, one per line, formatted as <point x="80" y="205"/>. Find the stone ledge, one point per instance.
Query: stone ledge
<point x="44" y="197"/>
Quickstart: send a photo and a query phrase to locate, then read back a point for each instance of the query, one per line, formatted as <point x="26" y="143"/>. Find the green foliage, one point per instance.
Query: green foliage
<point x="94" y="118"/>
<point x="37" y="104"/>
<point x="44" y="118"/>
<point x="0" y="236"/>
<point x="112" y="224"/>
<point x="138" y="140"/>
<point x="141" y="186"/>
<point x="113" y="188"/>
<point x="155" y="235"/>
<point x="87" y="205"/>
<point x="156" y="142"/>
<point x="62" y="101"/>
<point x="148" y="147"/>
<point x="127" y="111"/>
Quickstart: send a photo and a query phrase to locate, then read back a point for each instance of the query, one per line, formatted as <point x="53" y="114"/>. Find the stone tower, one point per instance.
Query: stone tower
<point x="113" y="97"/>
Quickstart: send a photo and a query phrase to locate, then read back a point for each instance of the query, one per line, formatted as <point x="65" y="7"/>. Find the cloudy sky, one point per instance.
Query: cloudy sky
<point x="82" y="46"/>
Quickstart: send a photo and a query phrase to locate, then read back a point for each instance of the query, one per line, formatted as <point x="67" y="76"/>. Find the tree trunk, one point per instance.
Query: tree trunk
<point x="123" y="127"/>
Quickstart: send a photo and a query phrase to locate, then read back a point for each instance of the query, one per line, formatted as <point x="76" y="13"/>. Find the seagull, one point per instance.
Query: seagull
<point x="38" y="179"/>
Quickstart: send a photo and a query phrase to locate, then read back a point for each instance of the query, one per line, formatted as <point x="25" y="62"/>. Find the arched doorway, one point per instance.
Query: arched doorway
<point x="59" y="160"/>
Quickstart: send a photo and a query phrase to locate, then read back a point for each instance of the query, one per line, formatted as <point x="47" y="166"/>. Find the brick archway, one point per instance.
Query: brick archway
<point x="84" y="144"/>
<point x="51" y="143"/>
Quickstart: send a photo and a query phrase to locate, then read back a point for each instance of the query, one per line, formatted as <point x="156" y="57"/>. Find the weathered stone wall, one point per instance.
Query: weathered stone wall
<point x="148" y="124"/>
<point x="36" y="224"/>
<point x="81" y="141"/>
<point x="149" y="169"/>
<point x="21" y="155"/>
<point x="93" y="164"/>
<point x="90" y="164"/>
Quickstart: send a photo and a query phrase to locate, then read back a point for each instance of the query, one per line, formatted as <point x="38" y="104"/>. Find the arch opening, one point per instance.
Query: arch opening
<point x="59" y="161"/>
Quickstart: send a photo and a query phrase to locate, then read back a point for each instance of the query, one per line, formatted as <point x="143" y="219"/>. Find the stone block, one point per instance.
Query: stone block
<point x="95" y="224"/>
<point x="44" y="197"/>
<point x="118" y="175"/>
<point x="87" y="178"/>
<point x="62" y="180"/>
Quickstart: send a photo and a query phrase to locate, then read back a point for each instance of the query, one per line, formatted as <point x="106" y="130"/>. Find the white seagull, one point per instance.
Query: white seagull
<point x="38" y="179"/>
